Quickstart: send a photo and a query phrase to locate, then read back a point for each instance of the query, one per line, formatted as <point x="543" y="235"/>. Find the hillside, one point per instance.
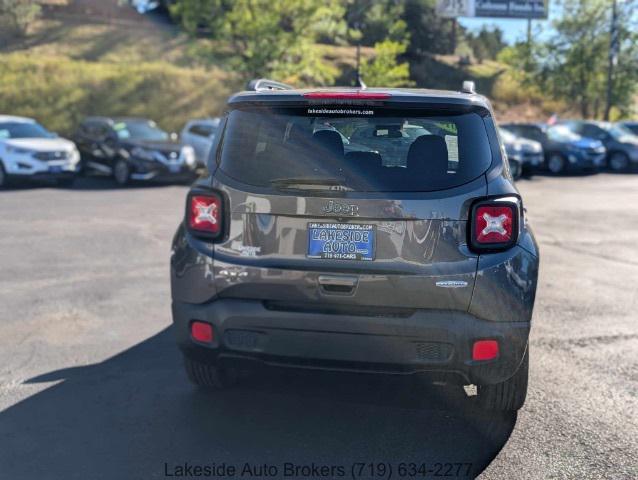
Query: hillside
<point x="90" y="57"/>
<point x="95" y="58"/>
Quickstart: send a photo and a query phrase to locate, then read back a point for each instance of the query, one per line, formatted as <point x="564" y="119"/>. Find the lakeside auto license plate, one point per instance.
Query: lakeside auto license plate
<point x="341" y="241"/>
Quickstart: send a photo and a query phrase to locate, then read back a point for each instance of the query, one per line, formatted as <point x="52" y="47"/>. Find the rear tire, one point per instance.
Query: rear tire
<point x="556" y="163"/>
<point x="121" y="172"/>
<point x="509" y="395"/>
<point x="618" y="162"/>
<point x="517" y="172"/>
<point x="4" y="178"/>
<point x="206" y="375"/>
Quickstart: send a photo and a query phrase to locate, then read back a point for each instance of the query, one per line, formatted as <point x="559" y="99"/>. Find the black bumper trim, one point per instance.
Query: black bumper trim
<point x="428" y="341"/>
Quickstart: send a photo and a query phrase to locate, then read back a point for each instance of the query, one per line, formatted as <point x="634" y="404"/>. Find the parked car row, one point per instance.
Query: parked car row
<point x="576" y="145"/>
<point x="138" y="149"/>
<point x="122" y="148"/>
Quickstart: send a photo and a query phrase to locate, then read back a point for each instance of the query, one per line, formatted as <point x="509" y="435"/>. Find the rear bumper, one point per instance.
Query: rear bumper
<point x="585" y="161"/>
<point x="433" y="342"/>
<point x="163" y="174"/>
<point x="156" y="171"/>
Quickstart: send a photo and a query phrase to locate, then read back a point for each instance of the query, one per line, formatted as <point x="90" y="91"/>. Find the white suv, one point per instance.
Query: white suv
<point x="29" y="151"/>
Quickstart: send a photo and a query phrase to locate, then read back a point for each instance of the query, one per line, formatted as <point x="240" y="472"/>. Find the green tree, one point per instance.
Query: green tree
<point x="486" y="44"/>
<point x="377" y="20"/>
<point x="572" y="65"/>
<point x="17" y="15"/>
<point x="195" y="14"/>
<point x="384" y="70"/>
<point x="266" y="38"/>
<point x="428" y="33"/>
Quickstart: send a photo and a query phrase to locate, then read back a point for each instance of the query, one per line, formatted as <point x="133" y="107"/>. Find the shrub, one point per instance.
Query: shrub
<point x="17" y="15"/>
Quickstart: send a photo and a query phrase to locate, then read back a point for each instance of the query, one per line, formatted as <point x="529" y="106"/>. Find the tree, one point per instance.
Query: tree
<point x="18" y="14"/>
<point x="486" y="44"/>
<point x="193" y="14"/>
<point x="384" y="70"/>
<point x="429" y="34"/>
<point x="267" y="38"/>
<point x="377" y="20"/>
<point x="572" y="65"/>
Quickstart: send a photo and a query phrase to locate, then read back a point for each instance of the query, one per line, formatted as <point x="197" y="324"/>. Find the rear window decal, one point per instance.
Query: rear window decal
<point x="339" y="111"/>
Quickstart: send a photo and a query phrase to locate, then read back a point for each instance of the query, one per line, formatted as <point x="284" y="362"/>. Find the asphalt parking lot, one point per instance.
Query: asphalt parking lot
<point x="91" y="385"/>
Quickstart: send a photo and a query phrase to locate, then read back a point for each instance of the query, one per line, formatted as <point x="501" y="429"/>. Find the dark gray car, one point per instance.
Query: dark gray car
<point x="621" y="143"/>
<point x="298" y="253"/>
<point x="631" y="126"/>
<point x="528" y="153"/>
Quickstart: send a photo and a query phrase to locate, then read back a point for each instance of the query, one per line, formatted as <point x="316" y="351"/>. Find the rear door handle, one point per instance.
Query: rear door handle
<point x="337" y="284"/>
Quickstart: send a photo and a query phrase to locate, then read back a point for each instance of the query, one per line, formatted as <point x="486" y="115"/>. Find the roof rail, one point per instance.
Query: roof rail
<point x="264" y="84"/>
<point x="468" y="87"/>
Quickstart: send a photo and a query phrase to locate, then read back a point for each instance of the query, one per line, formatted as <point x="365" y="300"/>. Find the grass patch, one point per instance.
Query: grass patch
<point x="60" y="91"/>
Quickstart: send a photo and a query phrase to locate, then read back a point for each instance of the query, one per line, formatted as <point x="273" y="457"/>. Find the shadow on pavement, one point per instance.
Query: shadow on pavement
<point x="131" y="414"/>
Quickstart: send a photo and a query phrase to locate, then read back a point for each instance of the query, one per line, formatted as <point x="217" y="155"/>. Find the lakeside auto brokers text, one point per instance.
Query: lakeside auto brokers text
<point x="355" y="470"/>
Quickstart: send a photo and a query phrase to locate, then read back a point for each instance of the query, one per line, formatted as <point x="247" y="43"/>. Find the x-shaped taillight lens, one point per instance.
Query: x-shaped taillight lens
<point x="494" y="225"/>
<point x="205" y="215"/>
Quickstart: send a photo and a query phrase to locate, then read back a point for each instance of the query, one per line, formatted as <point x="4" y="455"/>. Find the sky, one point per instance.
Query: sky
<point x="513" y="30"/>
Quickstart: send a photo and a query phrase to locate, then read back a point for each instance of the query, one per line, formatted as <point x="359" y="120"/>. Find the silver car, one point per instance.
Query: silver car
<point x="391" y="260"/>
<point x="200" y="134"/>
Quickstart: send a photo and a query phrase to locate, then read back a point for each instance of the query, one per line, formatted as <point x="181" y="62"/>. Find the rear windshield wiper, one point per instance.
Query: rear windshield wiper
<point x="309" y="183"/>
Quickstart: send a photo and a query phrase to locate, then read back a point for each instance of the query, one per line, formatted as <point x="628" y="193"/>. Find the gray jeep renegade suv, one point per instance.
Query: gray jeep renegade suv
<point x="405" y="252"/>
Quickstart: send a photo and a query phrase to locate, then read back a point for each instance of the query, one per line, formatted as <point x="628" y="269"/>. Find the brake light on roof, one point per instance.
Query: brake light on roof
<point x="204" y="214"/>
<point x="357" y="95"/>
<point x="494" y="225"/>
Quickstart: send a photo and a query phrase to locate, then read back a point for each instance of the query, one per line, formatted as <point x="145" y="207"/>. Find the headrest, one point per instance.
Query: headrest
<point x="300" y="137"/>
<point x="368" y="159"/>
<point x="428" y="156"/>
<point x="329" y="140"/>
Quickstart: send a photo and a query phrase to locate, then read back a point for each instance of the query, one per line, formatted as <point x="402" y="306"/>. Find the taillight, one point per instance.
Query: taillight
<point x="485" y="350"/>
<point x="494" y="225"/>
<point x="202" y="332"/>
<point x="204" y="214"/>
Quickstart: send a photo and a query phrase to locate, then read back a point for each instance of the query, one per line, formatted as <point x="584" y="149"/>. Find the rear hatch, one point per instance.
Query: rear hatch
<point x="363" y="206"/>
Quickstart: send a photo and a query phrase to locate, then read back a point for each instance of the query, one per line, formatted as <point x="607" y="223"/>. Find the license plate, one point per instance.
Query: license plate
<point x="55" y="169"/>
<point x="174" y="168"/>
<point x="341" y="241"/>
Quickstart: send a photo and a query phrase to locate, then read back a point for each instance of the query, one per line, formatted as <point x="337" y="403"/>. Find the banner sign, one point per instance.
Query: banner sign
<point x="493" y="8"/>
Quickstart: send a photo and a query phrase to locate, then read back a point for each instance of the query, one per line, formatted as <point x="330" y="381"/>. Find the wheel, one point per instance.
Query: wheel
<point x="121" y="172"/>
<point x="207" y="375"/>
<point x="618" y="162"/>
<point x="508" y="395"/>
<point x="65" y="182"/>
<point x="556" y="163"/>
<point x="516" y="170"/>
<point x="4" y="178"/>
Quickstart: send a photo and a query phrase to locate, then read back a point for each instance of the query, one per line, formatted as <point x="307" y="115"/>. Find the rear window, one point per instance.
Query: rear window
<point x="354" y="149"/>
